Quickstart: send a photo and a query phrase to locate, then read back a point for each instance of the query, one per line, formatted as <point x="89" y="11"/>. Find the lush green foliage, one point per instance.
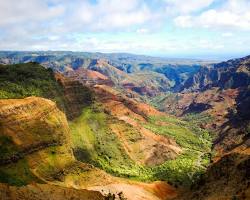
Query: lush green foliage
<point x="187" y="135"/>
<point x="95" y="143"/>
<point x="17" y="174"/>
<point x="29" y="79"/>
<point x="159" y="101"/>
<point x="179" y="171"/>
<point x="7" y="147"/>
<point x="198" y="118"/>
<point x="194" y="141"/>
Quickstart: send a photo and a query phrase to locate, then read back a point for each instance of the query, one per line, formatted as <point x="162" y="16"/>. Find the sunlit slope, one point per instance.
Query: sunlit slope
<point x="148" y="148"/>
<point x="109" y="130"/>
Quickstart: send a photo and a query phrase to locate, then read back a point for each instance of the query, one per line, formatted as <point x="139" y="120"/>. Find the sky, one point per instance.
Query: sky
<point x="209" y="29"/>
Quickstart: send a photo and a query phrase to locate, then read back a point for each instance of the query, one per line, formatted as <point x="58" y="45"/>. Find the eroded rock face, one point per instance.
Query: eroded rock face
<point x="148" y="148"/>
<point x="76" y="95"/>
<point x="230" y="74"/>
<point x="228" y="178"/>
<point x="106" y="95"/>
<point x="33" y="123"/>
<point x="35" y="140"/>
<point x="45" y="192"/>
<point x="222" y="92"/>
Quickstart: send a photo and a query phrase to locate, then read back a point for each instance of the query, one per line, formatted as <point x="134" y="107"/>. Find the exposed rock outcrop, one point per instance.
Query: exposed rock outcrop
<point x="230" y="74"/>
<point x="33" y="122"/>
<point x="45" y="192"/>
<point x="228" y="178"/>
<point x="76" y="95"/>
<point x="222" y="91"/>
<point x="149" y="148"/>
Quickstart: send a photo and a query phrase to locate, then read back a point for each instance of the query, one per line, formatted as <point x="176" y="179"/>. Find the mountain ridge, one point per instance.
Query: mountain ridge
<point x="114" y="134"/>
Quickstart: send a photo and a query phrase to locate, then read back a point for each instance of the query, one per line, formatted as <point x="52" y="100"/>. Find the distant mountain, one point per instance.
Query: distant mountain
<point x="101" y="121"/>
<point x="118" y="67"/>
<point x="231" y="74"/>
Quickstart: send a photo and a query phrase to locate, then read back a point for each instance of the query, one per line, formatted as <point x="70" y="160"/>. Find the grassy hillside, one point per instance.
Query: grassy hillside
<point x="17" y="174"/>
<point x="195" y="142"/>
<point x="94" y="142"/>
<point x="29" y="79"/>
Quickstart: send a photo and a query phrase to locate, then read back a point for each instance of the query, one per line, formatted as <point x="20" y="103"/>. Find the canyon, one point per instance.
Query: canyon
<point x="121" y="126"/>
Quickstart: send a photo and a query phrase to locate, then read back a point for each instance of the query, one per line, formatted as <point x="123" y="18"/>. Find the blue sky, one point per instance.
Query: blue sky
<point x="171" y="28"/>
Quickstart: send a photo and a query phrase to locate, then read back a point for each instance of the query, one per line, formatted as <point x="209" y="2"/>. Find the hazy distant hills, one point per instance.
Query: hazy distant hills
<point x="176" y="71"/>
<point x="229" y="74"/>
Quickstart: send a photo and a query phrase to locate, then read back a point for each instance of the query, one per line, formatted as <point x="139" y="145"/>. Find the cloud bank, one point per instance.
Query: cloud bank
<point x="166" y="27"/>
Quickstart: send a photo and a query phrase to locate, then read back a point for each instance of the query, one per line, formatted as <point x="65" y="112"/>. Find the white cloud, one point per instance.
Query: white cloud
<point x="187" y="6"/>
<point x="184" y="21"/>
<point x="206" y="44"/>
<point x="77" y="15"/>
<point x="108" y="15"/>
<point x="18" y="11"/>
<point x="235" y="14"/>
<point x="227" y="34"/>
<point x="142" y="31"/>
<point x="139" y="26"/>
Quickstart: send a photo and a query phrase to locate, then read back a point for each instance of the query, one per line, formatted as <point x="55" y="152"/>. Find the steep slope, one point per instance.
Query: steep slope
<point x="232" y="78"/>
<point x="35" y="145"/>
<point x="100" y="72"/>
<point x="230" y="74"/>
<point x="112" y="135"/>
<point x="29" y="126"/>
<point x="102" y="66"/>
<point x="220" y="94"/>
<point x="147" y="83"/>
<point x="136" y="125"/>
<point x="102" y="143"/>
<point x="76" y="95"/>
<point x="39" y="150"/>
<point x="89" y="77"/>
<point x="44" y="192"/>
<point x="30" y="79"/>
<point x="140" y="144"/>
<point x="228" y="178"/>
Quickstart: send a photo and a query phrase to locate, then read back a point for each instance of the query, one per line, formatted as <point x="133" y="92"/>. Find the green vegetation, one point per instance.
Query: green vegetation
<point x="56" y="158"/>
<point x="7" y="147"/>
<point x="29" y="79"/>
<point x="193" y="140"/>
<point x="17" y="174"/>
<point x="197" y="120"/>
<point x="95" y="143"/>
<point x="32" y="79"/>
<point x="187" y="135"/>
<point x="179" y="171"/>
<point x="160" y="101"/>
